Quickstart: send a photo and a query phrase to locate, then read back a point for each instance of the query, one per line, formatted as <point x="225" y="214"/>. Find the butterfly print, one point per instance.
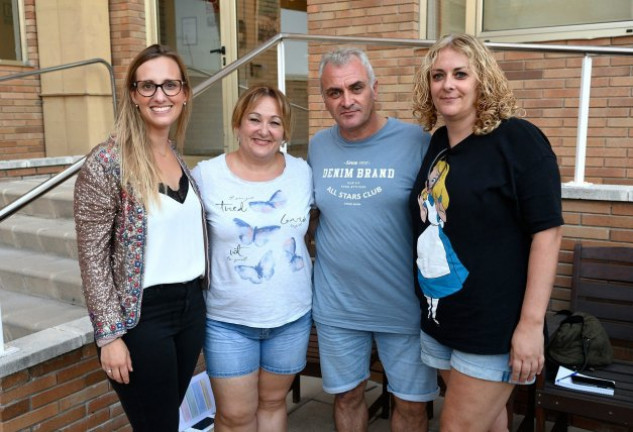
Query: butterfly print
<point x="277" y="200"/>
<point x="257" y="235"/>
<point x="264" y="270"/>
<point x="290" y="248"/>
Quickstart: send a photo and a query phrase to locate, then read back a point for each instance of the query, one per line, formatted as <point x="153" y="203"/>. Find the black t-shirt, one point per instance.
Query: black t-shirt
<point x="489" y="194"/>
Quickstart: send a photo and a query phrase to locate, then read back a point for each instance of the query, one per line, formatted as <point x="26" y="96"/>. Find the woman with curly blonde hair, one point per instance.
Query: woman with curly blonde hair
<point x="495" y="101"/>
<point x="486" y="281"/>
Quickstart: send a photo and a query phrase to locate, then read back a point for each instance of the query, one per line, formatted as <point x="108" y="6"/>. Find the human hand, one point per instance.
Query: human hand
<point x="527" y="352"/>
<point x="116" y="361"/>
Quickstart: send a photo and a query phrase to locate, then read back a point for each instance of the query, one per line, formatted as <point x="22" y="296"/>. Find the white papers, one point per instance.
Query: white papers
<point x="199" y="405"/>
<point x="576" y="381"/>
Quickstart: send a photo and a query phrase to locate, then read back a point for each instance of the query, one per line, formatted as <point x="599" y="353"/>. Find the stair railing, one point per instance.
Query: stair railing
<point x="58" y="179"/>
<point x="69" y="66"/>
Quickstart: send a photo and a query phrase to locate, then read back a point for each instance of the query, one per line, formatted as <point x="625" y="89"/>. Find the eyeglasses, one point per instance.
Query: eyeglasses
<point x="169" y="87"/>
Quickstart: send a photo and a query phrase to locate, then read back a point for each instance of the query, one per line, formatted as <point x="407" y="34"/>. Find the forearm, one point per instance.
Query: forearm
<point x="527" y="351"/>
<point x="542" y="265"/>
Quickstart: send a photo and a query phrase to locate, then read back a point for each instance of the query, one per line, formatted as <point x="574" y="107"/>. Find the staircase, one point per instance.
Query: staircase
<point x="40" y="285"/>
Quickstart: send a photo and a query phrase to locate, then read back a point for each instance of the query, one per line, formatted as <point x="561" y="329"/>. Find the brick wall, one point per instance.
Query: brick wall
<point x="69" y="393"/>
<point x="394" y="66"/>
<point x="547" y="87"/>
<point x="127" y="34"/>
<point x="21" y="124"/>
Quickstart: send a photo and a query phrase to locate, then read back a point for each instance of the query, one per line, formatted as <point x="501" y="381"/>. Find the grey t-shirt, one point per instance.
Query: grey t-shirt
<point x="363" y="274"/>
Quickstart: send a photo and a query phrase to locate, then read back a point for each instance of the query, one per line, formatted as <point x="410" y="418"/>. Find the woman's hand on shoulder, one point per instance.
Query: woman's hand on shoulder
<point x="116" y="361"/>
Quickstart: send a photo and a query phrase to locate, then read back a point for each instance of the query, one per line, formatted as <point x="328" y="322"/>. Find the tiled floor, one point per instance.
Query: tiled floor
<point x="314" y="412"/>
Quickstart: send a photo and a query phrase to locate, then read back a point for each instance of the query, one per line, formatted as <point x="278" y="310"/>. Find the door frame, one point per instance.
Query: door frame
<point x="228" y="39"/>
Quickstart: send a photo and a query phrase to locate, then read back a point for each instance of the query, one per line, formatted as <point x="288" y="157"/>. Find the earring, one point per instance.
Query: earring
<point x="184" y="104"/>
<point x="136" y="106"/>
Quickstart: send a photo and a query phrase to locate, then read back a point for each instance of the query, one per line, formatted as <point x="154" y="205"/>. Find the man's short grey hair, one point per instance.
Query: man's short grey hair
<point x="343" y="56"/>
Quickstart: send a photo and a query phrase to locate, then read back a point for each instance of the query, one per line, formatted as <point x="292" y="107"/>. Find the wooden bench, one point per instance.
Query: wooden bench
<point x="602" y="285"/>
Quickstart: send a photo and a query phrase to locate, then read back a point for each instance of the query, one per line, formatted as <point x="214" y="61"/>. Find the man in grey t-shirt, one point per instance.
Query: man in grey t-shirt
<point x="364" y="168"/>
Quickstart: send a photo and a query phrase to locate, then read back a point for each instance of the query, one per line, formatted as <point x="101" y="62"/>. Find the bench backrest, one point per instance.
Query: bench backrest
<point x="602" y="285"/>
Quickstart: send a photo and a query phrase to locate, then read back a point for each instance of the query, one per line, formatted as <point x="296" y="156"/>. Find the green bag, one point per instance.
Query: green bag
<point x="580" y="342"/>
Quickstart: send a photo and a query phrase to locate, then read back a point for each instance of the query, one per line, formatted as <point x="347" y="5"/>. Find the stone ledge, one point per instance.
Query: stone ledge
<point x="39" y="347"/>
<point x="38" y="162"/>
<point x="597" y="192"/>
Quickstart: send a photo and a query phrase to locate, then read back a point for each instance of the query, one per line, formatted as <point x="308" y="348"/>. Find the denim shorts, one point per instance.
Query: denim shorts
<point x="486" y="367"/>
<point x="345" y="354"/>
<point x="232" y="350"/>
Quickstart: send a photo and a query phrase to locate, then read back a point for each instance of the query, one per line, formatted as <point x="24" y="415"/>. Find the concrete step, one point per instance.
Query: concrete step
<point x="41" y="275"/>
<point x="56" y="203"/>
<point x="25" y="314"/>
<point x="53" y="236"/>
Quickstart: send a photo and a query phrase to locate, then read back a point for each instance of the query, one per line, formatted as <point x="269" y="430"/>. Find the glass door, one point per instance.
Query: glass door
<point x="195" y="29"/>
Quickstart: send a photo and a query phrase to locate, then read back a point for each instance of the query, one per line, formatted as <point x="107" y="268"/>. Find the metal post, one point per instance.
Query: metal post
<point x="281" y="66"/>
<point x="281" y="78"/>
<point x="583" y="120"/>
<point x="1" y="334"/>
<point x="8" y="350"/>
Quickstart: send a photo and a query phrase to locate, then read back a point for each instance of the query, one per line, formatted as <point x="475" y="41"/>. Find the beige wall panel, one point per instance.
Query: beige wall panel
<point x="77" y="102"/>
<point x="74" y="125"/>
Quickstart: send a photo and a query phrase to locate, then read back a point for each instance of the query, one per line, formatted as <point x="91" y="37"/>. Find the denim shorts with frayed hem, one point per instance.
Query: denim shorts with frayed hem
<point x="233" y="350"/>
<point x="345" y="355"/>
<point x="493" y="367"/>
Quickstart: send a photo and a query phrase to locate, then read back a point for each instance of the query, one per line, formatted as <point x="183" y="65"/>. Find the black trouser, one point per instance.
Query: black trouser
<point x="164" y="347"/>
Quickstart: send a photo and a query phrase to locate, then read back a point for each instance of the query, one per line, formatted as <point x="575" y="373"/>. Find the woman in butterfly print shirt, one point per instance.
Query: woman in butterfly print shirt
<point x="259" y="304"/>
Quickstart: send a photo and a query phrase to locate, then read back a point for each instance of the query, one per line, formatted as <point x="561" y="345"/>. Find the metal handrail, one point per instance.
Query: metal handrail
<point x="414" y="43"/>
<point x="294" y="105"/>
<point x="69" y="66"/>
<point x="243" y="87"/>
<point x="41" y="189"/>
<point x="57" y="179"/>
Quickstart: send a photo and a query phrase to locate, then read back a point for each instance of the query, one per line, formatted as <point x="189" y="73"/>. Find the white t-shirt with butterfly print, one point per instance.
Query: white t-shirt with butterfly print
<point x="261" y="272"/>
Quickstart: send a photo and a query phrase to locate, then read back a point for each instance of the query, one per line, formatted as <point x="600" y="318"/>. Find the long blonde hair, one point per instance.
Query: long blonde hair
<point x="495" y="101"/>
<point x="139" y="175"/>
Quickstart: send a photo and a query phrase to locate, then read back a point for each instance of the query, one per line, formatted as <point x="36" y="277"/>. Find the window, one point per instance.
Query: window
<point x="519" y="14"/>
<point x="555" y="19"/>
<point x="444" y="17"/>
<point x="530" y="21"/>
<point x="10" y="35"/>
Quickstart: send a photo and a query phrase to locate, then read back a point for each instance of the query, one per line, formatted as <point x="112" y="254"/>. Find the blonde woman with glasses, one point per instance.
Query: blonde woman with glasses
<point x="141" y="236"/>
